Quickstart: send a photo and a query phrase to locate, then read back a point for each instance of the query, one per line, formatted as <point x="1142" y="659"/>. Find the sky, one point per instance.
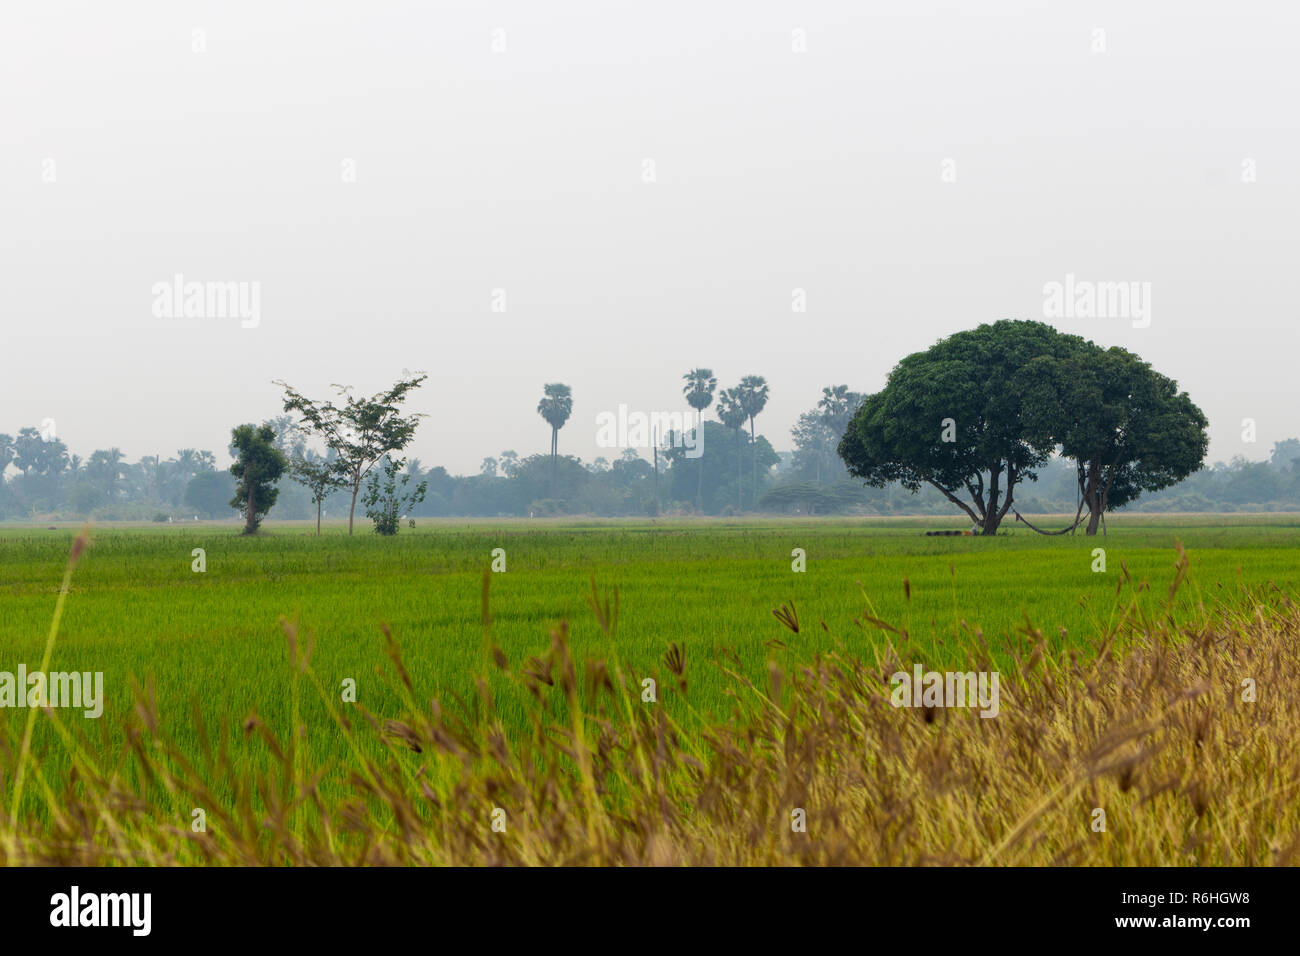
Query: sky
<point x="606" y="194"/>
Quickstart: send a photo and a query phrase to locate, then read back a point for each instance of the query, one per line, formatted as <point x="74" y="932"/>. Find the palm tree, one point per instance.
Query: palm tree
<point x="838" y="405"/>
<point x="753" y="399"/>
<point x="556" y="406"/>
<point x="105" y="469"/>
<point x="698" y="390"/>
<point x="732" y="415"/>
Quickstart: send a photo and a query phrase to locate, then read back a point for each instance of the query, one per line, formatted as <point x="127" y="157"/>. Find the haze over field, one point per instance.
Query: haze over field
<point x="381" y="170"/>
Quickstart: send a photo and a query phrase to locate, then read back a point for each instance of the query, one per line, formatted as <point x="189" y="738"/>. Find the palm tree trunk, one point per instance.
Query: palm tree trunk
<point x="753" y="491"/>
<point x="740" y="471"/>
<point x="555" y="446"/>
<point x="699" y="485"/>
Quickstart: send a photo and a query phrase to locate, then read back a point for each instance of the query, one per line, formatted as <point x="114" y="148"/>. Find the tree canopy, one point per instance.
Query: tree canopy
<point x="361" y="431"/>
<point x="981" y="410"/>
<point x="1126" y="427"/>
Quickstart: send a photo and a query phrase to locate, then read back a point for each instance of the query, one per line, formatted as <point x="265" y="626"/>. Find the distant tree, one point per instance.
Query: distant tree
<point x="509" y="462"/>
<point x="699" y="389"/>
<point x="361" y="431"/>
<point x="289" y="438"/>
<point x="1286" y="454"/>
<point x="488" y="467"/>
<point x="37" y="457"/>
<point x="753" y="399"/>
<point x="818" y="432"/>
<point x="556" y="406"/>
<point x="209" y="493"/>
<point x="731" y="412"/>
<point x="837" y="406"/>
<point x="6" y="453"/>
<point x="104" y="470"/>
<point x="319" y="476"/>
<point x="151" y="475"/>
<point x="257" y="467"/>
<point x="387" y="500"/>
<point x="814" y="446"/>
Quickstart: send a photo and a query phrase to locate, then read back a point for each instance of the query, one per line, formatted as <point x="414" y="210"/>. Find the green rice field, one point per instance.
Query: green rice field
<point x="212" y="642"/>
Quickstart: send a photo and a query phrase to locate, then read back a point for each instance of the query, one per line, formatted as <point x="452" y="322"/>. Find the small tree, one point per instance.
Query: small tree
<point x="361" y="431"/>
<point x="319" y="476"/>
<point x="388" y="500"/>
<point x="258" y="466"/>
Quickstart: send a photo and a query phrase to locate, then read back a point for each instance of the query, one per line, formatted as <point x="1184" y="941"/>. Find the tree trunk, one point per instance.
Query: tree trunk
<point x="249" y="513"/>
<point x="699" y="485"/>
<point x="991" y="516"/>
<point x="356" y="486"/>
<point x="740" y="471"/>
<point x="319" y="502"/>
<point x="1092" y="499"/>
<point x="753" y="492"/>
<point x="654" y="453"/>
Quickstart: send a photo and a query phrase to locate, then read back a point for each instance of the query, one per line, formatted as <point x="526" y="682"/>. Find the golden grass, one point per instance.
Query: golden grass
<point x="1152" y="728"/>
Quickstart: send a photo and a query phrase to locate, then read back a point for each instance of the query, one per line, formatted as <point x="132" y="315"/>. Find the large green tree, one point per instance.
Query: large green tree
<point x="1127" y="428"/>
<point x="360" y="431"/>
<point x="947" y="418"/>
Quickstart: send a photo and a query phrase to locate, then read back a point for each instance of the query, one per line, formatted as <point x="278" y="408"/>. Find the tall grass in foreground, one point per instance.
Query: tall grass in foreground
<point x="1152" y="729"/>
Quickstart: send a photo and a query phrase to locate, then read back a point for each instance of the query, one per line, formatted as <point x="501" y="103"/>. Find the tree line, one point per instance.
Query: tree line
<point x="1012" y="413"/>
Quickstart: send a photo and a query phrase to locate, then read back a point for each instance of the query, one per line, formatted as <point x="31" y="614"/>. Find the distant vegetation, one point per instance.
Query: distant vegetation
<point x="1084" y="430"/>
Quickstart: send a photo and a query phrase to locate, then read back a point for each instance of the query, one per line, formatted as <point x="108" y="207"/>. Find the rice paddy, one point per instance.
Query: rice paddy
<point x="688" y="604"/>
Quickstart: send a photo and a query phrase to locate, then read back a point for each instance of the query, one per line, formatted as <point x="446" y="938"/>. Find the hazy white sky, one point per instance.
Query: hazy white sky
<point x="920" y="168"/>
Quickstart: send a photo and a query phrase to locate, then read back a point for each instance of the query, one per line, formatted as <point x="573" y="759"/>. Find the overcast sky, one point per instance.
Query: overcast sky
<point x="379" y="169"/>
